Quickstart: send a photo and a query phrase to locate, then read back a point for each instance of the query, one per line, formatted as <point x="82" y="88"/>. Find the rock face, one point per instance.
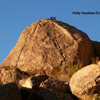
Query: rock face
<point x="86" y="81"/>
<point x="96" y="47"/>
<point x="45" y="44"/>
<point x="7" y="76"/>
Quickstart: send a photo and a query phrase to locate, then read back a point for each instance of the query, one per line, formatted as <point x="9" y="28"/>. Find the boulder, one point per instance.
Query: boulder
<point x="54" y="85"/>
<point x="10" y="92"/>
<point x="86" y="82"/>
<point x="58" y="88"/>
<point x="33" y="82"/>
<point x="7" y="75"/>
<point x="46" y="44"/>
<point x="41" y="88"/>
<point x="27" y="83"/>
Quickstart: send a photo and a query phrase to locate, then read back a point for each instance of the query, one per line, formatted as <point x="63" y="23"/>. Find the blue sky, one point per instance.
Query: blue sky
<point x="16" y="15"/>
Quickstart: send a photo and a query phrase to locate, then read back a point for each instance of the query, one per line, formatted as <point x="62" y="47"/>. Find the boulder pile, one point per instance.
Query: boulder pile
<point x="37" y="67"/>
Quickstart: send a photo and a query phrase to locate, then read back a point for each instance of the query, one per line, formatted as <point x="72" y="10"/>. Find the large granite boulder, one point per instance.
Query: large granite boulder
<point x="45" y="44"/>
<point x="86" y="82"/>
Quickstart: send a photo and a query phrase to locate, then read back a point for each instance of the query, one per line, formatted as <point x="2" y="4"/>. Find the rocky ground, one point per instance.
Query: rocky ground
<point x="51" y="61"/>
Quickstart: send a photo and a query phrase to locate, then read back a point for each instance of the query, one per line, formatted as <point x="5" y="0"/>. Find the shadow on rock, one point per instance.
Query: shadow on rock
<point x="10" y="91"/>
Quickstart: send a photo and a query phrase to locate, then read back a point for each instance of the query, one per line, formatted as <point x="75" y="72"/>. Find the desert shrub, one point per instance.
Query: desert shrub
<point x="70" y="68"/>
<point x="66" y="69"/>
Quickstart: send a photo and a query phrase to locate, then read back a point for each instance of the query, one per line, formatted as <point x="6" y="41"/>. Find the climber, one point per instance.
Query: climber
<point x="52" y="18"/>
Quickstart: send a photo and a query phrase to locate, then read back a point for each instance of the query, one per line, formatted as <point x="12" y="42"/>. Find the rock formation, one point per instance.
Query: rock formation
<point x="38" y="65"/>
<point x="86" y="82"/>
<point x="33" y="81"/>
<point x="7" y="76"/>
<point x="54" y="85"/>
<point x="45" y="88"/>
<point x="45" y="44"/>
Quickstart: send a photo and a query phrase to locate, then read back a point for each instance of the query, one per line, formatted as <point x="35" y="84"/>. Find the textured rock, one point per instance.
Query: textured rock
<point x="45" y="44"/>
<point x="61" y="90"/>
<point x="7" y="76"/>
<point x="86" y="81"/>
<point x="45" y="89"/>
<point x="10" y="92"/>
<point x="96" y="47"/>
<point x="33" y="81"/>
<point x="54" y="85"/>
<point x="99" y="63"/>
<point x="27" y="83"/>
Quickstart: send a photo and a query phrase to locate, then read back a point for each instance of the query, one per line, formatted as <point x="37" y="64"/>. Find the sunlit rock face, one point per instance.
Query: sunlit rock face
<point x="47" y="43"/>
<point x="86" y="82"/>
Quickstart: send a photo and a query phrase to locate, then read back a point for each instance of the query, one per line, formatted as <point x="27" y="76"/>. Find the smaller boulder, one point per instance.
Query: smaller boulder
<point x="7" y="75"/>
<point x="86" y="81"/>
<point x="44" y="88"/>
<point x="33" y="81"/>
<point x="27" y="83"/>
<point x="58" y="88"/>
<point x="54" y="85"/>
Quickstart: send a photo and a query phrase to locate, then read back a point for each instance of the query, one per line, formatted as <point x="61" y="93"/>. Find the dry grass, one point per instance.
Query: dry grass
<point x="72" y="68"/>
<point x="66" y="69"/>
<point x="95" y="60"/>
<point x="69" y="69"/>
